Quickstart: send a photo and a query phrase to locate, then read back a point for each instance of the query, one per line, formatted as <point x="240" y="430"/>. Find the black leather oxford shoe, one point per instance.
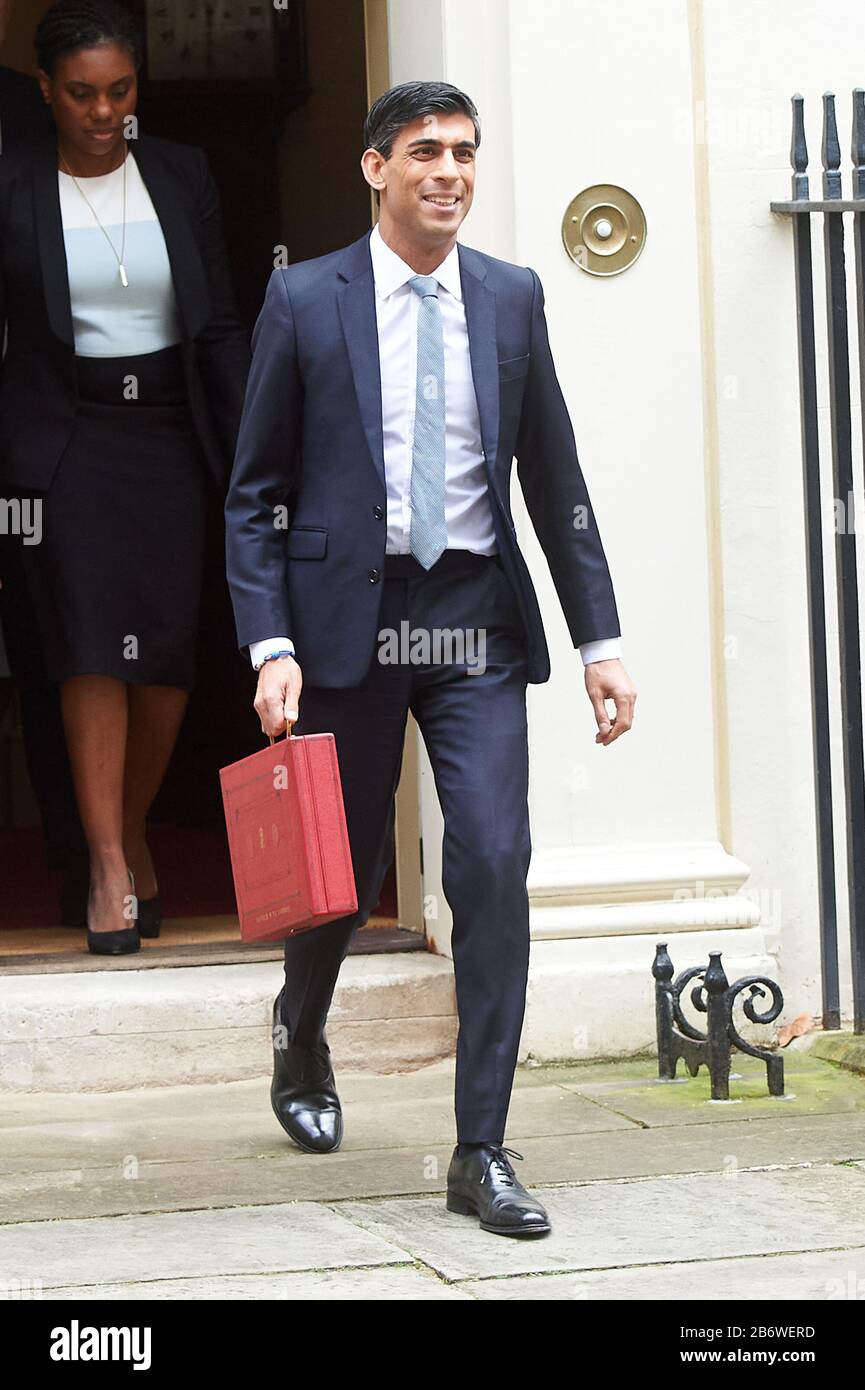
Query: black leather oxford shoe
<point x="484" y="1183"/>
<point x="303" y="1091"/>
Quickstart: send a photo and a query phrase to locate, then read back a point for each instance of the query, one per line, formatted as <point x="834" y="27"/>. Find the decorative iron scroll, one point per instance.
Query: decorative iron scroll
<point x="714" y="996"/>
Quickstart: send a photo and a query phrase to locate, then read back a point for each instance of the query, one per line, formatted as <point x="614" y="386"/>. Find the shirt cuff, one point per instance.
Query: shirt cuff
<point x="259" y="650"/>
<point x="605" y="649"/>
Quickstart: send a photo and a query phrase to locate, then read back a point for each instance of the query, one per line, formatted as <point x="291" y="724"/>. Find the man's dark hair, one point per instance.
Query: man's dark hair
<point x="403" y="104"/>
<point x="73" y="24"/>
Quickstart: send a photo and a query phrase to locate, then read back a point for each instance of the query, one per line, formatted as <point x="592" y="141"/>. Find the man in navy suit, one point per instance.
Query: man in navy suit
<point x="372" y="558"/>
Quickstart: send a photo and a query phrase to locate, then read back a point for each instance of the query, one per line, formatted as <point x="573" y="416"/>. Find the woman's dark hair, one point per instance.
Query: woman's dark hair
<point x="398" y="107"/>
<point x="73" y="24"/>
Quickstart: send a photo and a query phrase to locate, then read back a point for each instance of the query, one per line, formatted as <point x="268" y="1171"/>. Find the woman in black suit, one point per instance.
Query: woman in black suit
<point x="120" y="398"/>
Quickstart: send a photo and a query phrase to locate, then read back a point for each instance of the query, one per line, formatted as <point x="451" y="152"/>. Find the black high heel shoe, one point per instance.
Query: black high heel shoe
<point x="115" y="943"/>
<point x="149" y="916"/>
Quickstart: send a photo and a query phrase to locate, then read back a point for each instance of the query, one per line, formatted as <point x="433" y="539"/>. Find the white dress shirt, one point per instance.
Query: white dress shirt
<point x="468" y="513"/>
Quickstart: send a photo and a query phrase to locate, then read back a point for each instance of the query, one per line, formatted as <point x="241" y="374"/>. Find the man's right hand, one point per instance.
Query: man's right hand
<point x="277" y="699"/>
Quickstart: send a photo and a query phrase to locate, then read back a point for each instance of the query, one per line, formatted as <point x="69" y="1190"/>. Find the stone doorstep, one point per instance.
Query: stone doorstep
<point x="118" y="1030"/>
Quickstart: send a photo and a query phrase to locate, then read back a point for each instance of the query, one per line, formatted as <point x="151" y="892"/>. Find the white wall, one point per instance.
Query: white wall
<point x="790" y="47"/>
<point x="682" y="383"/>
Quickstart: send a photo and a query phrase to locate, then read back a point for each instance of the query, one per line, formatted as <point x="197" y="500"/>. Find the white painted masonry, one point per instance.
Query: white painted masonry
<point x="682" y="382"/>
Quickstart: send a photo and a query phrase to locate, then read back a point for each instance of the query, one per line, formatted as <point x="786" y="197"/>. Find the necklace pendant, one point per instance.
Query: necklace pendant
<point x="123" y="280"/>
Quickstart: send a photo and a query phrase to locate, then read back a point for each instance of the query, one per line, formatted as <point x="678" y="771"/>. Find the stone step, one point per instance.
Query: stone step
<point x="117" y="1030"/>
<point x="842" y="1046"/>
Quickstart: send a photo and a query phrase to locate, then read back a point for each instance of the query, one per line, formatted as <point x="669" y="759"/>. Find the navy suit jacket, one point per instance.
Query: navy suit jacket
<point x="306" y="511"/>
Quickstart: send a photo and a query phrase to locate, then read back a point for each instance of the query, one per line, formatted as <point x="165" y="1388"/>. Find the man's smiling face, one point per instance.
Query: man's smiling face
<point x="428" y="182"/>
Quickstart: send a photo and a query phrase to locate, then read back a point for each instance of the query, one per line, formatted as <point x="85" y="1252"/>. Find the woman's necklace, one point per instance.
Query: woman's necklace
<point x="123" y="280"/>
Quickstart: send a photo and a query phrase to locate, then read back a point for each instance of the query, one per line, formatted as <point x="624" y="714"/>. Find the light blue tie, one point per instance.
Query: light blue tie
<point x="428" y="536"/>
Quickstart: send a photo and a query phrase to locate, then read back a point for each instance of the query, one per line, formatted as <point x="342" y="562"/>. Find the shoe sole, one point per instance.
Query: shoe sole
<point x="113" y="950"/>
<point x="463" y="1207"/>
<point x="307" y="1148"/>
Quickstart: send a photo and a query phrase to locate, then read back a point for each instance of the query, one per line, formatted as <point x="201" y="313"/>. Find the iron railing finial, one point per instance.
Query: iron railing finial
<point x="857" y="148"/>
<point x="831" y="149"/>
<point x="799" y="149"/>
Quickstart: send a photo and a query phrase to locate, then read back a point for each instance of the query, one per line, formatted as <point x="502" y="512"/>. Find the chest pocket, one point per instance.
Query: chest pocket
<point x="512" y="368"/>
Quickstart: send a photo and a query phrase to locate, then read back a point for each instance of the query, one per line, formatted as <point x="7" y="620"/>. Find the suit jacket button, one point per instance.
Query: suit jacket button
<point x="378" y="512"/>
<point x="374" y="576"/>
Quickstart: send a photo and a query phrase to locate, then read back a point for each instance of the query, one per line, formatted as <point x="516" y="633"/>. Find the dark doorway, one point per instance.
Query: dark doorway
<point x="284" y="149"/>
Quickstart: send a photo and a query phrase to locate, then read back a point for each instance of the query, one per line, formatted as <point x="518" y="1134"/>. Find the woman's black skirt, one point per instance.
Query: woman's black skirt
<point x="116" y="579"/>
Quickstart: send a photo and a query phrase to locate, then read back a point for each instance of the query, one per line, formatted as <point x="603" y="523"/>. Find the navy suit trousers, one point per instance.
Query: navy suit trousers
<point x="470" y="706"/>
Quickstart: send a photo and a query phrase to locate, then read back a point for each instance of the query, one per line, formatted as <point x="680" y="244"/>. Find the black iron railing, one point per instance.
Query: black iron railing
<point x="832" y="206"/>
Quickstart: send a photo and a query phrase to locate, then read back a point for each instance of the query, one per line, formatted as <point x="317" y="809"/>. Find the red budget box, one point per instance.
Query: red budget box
<point x="290" y="855"/>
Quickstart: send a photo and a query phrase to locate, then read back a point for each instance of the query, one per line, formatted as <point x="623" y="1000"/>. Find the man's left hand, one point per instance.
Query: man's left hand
<point x="608" y="680"/>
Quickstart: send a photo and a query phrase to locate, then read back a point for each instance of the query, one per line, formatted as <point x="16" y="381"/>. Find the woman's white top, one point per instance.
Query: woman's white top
<point x="108" y="320"/>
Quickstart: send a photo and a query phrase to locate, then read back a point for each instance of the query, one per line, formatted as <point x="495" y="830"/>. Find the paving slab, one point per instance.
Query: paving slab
<point x="191" y="1147"/>
<point x="649" y="1221"/>
<point x="812" y="1086"/>
<point x="609" y="1240"/>
<point x="199" y="1100"/>
<point x="190" y="1244"/>
<point x="235" y="1120"/>
<point x="829" y="1275"/>
<point x="194" y="1192"/>
<point x="392" y="1282"/>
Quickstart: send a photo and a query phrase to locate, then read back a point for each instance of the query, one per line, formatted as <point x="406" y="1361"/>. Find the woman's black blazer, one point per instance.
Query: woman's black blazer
<point x="38" y="387"/>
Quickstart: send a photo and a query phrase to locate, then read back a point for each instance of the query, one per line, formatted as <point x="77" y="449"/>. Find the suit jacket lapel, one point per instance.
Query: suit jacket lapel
<point x="356" y="303"/>
<point x="187" y="270"/>
<point x="480" y="302"/>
